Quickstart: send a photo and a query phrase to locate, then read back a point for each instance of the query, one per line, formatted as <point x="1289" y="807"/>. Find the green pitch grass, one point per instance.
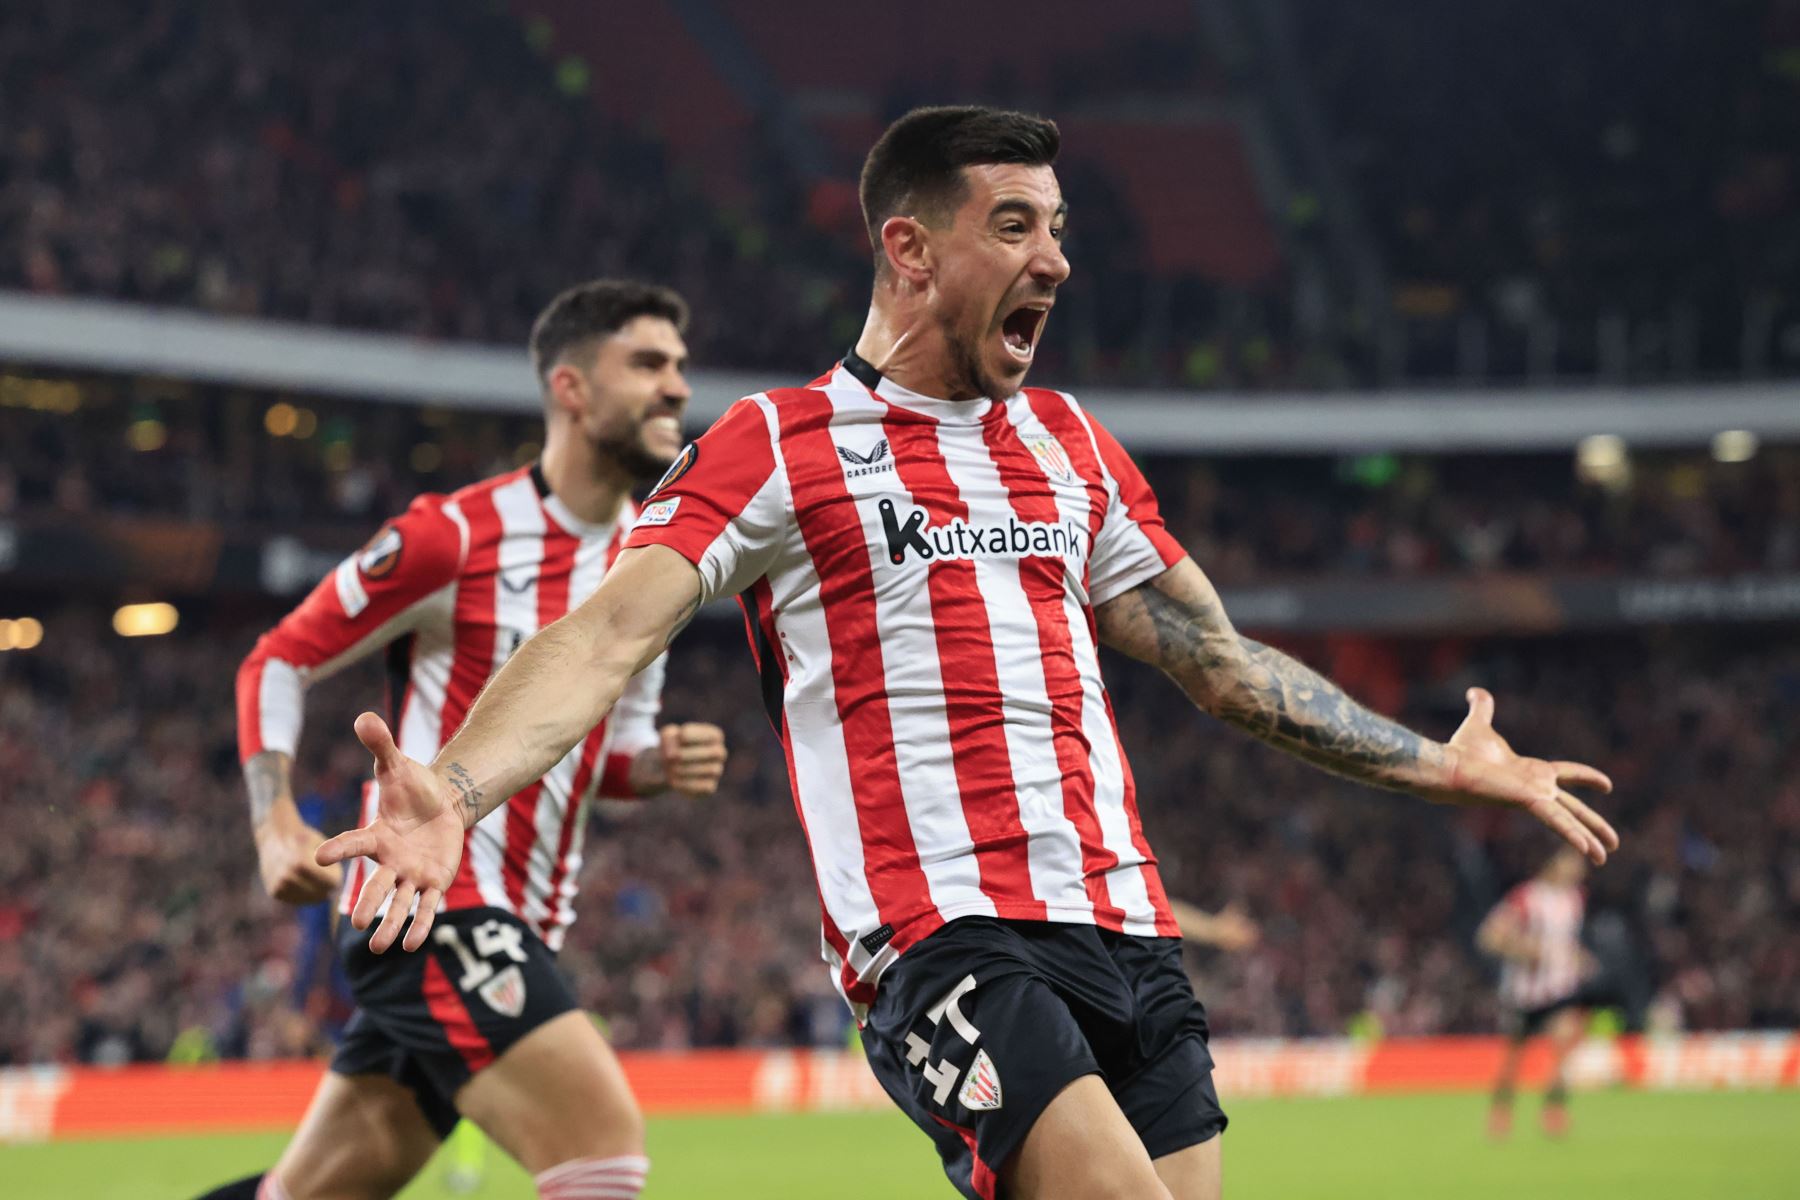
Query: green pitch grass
<point x="1624" y="1146"/>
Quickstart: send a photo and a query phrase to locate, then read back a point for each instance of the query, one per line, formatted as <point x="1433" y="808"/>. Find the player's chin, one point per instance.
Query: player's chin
<point x="1007" y="368"/>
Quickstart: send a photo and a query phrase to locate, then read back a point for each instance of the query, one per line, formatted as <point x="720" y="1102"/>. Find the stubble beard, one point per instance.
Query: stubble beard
<point x="626" y="450"/>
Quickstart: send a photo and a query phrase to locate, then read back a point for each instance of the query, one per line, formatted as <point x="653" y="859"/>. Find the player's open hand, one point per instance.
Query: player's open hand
<point x="693" y="757"/>
<point x="284" y="858"/>
<point x="415" y="841"/>
<point x="1483" y="769"/>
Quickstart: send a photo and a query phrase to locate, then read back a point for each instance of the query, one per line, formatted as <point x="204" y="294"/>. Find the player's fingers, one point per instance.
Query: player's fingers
<point x="395" y="918"/>
<point x="696" y="776"/>
<point x="421" y="926"/>
<point x="373" y="733"/>
<point x="670" y="737"/>
<point x="699" y="733"/>
<point x="1574" y="774"/>
<point x="701" y="756"/>
<point x="1571" y="830"/>
<point x="352" y="843"/>
<point x="1597" y="824"/>
<point x="368" y="902"/>
<point x="1481" y="706"/>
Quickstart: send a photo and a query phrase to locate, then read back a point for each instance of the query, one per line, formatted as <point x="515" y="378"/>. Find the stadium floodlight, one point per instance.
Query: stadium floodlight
<point x="21" y="634"/>
<point x="1735" y="446"/>
<point x="145" y="620"/>
<point x="1602" y="459"/>
<point x="281" y="420"/>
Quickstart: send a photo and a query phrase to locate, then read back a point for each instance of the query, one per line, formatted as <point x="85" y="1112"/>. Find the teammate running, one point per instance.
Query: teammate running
<point x="1536" y="933"/>
<point x="929" y="557"/>
<point x="484" y="1025"/>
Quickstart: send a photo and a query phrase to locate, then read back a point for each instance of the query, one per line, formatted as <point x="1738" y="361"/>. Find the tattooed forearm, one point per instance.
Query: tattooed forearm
<point x="266" y="777"/>
<point x="1286" y="703"/>
<point x="467" y="793"/>
<point x="1177" y="623"/>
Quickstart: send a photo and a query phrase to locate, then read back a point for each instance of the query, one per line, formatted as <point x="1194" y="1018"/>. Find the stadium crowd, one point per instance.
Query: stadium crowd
<point x="333" y="469"/>
<point x="1632" y="158"/>
<point x="432" y="169"/>
<point x="132" y="926"/>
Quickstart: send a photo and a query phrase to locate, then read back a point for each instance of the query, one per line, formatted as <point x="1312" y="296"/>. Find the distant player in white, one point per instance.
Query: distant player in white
<point x="1536" y="933"/>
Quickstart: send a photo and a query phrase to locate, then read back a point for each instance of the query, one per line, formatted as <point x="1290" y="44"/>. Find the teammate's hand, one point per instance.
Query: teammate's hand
<point x="1483" y="769"/>
<point x="1233" y="930"/>
<point x="284" y="857"/>
<point x="693" y="758"/>
<point x="415" y="841"/>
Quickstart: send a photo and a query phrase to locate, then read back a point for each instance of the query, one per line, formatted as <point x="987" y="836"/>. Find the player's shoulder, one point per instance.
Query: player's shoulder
<point x="432" y="537"/>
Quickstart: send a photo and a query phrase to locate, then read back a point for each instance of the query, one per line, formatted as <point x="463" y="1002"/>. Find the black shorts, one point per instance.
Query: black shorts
<point x="431" y="1019"/>
<point x="978" y="1027"/>
<point x="1521" y="1023"/>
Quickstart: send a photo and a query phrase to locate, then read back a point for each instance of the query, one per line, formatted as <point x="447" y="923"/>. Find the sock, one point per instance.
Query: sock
<point x="620" y="1178"/>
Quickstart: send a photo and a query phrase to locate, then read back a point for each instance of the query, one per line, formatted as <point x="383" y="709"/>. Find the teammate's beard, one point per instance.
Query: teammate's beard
<point x="625" y="447"/>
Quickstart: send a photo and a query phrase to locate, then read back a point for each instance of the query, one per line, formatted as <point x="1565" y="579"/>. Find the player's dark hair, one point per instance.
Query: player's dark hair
<point x="589" y="311"/>
<point x="916" y="168"/>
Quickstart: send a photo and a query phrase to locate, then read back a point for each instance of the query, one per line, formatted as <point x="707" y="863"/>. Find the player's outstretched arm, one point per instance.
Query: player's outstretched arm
<point x="1176" y="622"/>
<point x="554" y="689"/>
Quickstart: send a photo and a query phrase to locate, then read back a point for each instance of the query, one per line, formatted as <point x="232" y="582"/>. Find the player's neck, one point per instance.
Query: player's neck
<point x="910" y="349"/>
<point x="592" y="489"/>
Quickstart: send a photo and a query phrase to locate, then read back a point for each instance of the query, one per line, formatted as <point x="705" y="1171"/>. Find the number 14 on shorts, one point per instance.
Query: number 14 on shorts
<point x="981" y="1085"/>
<point x="502" y="989"/>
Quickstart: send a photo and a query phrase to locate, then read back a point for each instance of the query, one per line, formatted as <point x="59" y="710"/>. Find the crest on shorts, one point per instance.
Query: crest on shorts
<point x="505" y="992"/>
<point x="981" y="1086"/>
<point x="1050" y="456"/>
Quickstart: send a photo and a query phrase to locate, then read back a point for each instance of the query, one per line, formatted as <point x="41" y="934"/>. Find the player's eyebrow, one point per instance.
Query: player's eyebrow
<point x="1026" y="208"/>
<point x="656" y="358"/>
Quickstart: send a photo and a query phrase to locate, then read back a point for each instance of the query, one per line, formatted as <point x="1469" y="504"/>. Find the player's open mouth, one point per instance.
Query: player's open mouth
<point x="1020" y="329"/>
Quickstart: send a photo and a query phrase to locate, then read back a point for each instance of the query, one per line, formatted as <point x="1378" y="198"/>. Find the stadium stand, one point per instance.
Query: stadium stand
<point x="404" y="188"/>
<point x="258" y="461"/>
<point x="697" y="928"/>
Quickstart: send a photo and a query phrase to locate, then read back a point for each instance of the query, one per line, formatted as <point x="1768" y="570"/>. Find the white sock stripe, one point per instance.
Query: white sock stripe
<point x="618" y="1178"/>
<point x="628" y="1162"/>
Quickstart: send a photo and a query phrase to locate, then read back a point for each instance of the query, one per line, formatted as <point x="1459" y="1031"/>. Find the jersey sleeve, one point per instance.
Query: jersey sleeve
<point x="633" y="724"/>
<point x="370" y="599"/>
<point x="722" y="505"/>
<point x="1133" y="545"/>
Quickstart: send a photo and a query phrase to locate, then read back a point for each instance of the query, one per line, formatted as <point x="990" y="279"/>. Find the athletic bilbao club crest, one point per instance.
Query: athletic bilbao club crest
<point x="1050" y="456"/>
<point x="981" y="1086"/>
<point x="505" y="992"/>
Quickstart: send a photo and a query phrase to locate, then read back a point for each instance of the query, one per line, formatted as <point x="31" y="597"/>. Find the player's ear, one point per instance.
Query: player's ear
<point x="906" y="243"/>
<point x="566" y="391"/>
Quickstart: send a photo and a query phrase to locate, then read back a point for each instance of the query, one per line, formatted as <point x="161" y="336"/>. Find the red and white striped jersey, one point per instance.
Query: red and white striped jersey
<point x="918" y="578"/>
<point x="1550" y="914"/>
<point x="450" y="589"/>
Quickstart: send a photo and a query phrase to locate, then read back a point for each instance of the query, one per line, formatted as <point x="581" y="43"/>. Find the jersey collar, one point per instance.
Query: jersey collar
<point x="953" y="412"/>
<point x="560" y="512"/>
